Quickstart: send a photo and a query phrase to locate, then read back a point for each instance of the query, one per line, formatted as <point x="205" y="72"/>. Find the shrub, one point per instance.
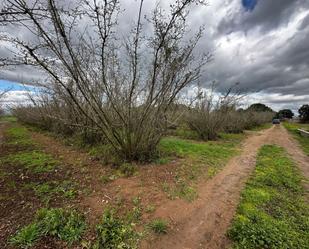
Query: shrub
<point x="66" y="225"/>
<point x="238" y="121"/>
<point x="27" y="236"/>
<point x="113" y="233"/>
<point x="159" y="226"/>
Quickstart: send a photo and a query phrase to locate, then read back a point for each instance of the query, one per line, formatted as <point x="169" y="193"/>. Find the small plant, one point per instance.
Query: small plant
<point x="65" y="225"/>
<point x="47" y="190"/>
<point x="27" y="236"/>
<point x="105" y="179"/>
<point x="136" y="201"/>
<point x="185" y="191"/>
<point x="159" y="226"/>
<point x="150" y="209"/>
<point x="66" y="189"/>
<point x="113" y="233"/>
<point x="127" y="169"/>
<point x="43" y="191"/>
<point x="134" y="215"/>
<point x="109" y="178"/>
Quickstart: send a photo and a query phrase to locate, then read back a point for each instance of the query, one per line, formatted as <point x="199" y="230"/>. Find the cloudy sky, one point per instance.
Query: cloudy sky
<point x="262" y="44"/>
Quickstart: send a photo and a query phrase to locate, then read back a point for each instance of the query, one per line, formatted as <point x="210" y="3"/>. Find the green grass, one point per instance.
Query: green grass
<point x="273" y="212"/>
<point x="19" y="135"/>
<point x="27" y="236"/>
<point x="213" y="153"/>
<point x="46" y="191"/>
<point x="34" y="161"/>
<point x="304" y="141"/>
<point x="199" y="159"/>
<point x="56" y="222"/>
<point x="183" y="132"/>
<point x="159" y="226"/>
<point x="10" y="119"/>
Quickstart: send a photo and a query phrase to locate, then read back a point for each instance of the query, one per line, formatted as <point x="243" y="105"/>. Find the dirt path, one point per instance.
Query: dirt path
<point x="204" y="224"/>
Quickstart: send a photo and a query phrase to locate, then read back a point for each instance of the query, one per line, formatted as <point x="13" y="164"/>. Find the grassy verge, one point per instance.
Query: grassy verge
<point x="197" y="160"/>
<point x="8" y="119"/>
<point x="26" y="172"/>
<point x="34" y="161"/>
<point x="304" y="141"/>
<point x="18" y="135"/>
<point x="273" y="212"/>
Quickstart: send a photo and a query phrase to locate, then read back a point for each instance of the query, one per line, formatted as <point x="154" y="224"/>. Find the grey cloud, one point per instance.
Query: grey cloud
<point x="276" y="65"/>
<point x="305" y="23"/>
<point x="266" y="16"/>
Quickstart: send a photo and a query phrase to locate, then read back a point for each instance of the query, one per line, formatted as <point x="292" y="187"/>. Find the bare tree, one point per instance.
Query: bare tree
<point x="211" y="111"/>
<point x="3" y="94"/>
<point x="122" y="87"/>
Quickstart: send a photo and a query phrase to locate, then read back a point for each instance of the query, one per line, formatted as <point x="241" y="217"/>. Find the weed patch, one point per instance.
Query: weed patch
<point x="272" y="212"/>
<point x="48" y="190"/>
<point x="64" y="225"/>
<point x="34" y="161"/>
<point x="114" y="232"/>
<point x="213" y="153"/>
<point x="27" y="236"/>
<point x="181" y="189"/>
<point x="159" y="226"/>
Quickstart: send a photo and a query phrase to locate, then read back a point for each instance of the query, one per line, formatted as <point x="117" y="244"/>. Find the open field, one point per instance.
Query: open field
<point x="158" y="205"/>
<point x="48" y="174"/>
<point x="134" y="124"/>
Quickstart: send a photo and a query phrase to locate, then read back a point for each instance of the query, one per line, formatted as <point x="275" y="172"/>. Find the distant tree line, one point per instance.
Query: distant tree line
<point x="304" y="113"/>
<point x="288" y="113"/>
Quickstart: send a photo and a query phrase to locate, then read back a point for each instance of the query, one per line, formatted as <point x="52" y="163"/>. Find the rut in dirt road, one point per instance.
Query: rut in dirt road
<point x="284" y="139"/>
<point x="204" y="224"/>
